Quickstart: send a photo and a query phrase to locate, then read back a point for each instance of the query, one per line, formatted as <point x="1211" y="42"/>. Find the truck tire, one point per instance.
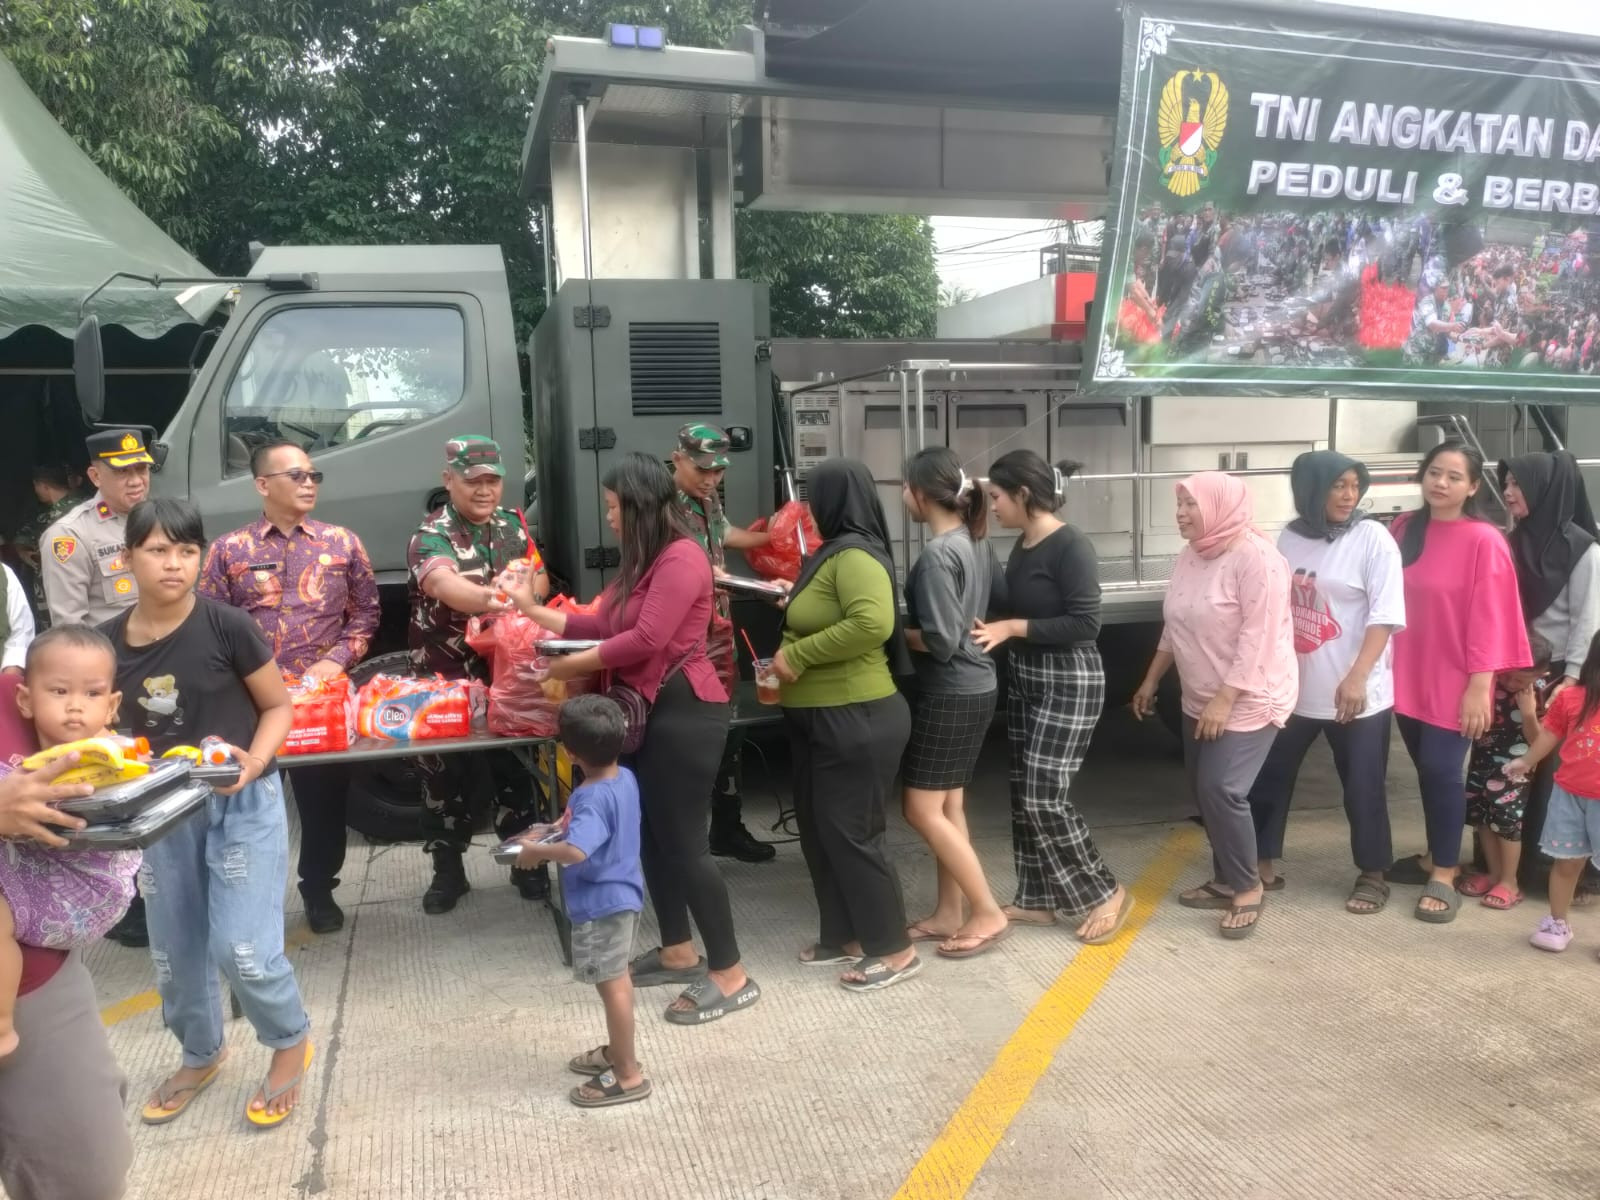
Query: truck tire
<point x="384" y="803"/>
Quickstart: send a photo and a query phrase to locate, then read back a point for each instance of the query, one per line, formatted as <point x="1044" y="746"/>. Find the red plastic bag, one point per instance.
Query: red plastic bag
<point x="400" y="710"/>
<point x="324" y="716"/>
<point x="780" y="558"/>
<point x="523" y="700"/>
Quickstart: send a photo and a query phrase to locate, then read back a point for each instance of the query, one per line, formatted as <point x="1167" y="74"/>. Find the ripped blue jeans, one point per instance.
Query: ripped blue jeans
<point x="213" y="894"/>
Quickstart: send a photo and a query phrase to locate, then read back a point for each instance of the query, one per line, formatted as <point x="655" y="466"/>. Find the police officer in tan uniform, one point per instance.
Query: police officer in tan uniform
<point x="82" y="558"/>
<point x="84" y="565"/>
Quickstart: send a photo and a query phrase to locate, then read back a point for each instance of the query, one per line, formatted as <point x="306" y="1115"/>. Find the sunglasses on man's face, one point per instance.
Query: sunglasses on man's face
<point x="296" y="475"/>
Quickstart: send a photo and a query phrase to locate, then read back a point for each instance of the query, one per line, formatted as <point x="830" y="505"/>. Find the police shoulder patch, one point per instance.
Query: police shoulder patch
<point x="63" y="548"/>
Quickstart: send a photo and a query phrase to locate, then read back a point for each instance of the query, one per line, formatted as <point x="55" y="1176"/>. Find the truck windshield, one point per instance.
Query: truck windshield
<point x="324" y="376"/>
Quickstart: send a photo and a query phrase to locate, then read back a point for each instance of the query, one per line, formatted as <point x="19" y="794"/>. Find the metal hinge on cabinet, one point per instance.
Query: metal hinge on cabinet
<point x="596" y="316"/>
<point x="601" y="558"/>
<point x="597" y="437"/>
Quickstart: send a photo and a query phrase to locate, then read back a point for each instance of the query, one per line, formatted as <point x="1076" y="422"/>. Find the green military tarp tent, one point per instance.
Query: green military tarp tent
<point x="64" y="227"/>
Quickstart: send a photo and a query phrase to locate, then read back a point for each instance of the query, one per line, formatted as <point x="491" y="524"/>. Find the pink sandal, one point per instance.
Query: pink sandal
<point x="1475" y="885"/>
<point x="1501" y="897"/>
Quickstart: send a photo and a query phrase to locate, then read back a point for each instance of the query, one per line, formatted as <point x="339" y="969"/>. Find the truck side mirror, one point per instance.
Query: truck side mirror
<point x="89" y="370"/>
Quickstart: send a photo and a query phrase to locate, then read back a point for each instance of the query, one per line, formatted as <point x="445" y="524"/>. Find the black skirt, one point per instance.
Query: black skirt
<point x="947" y="733"/>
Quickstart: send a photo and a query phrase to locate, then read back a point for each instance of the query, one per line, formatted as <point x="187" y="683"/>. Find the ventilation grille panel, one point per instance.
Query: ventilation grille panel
<point x="675" y="368"/>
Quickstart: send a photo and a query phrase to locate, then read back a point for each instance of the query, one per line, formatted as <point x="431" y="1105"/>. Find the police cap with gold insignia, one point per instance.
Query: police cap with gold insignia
<point x="118" y="448"/>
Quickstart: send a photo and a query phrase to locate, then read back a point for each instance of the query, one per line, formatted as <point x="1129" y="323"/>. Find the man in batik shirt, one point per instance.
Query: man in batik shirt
<point x="310" y="587"/>
<point x="454" y="558"/>
<point x="698" y="465"/>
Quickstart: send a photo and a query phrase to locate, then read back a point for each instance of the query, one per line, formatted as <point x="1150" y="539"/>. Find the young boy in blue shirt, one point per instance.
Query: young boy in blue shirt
<point x="604" y="889"/>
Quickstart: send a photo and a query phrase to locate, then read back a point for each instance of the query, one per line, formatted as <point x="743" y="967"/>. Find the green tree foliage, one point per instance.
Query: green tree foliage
<point x="116" y="73"/>
<point x="383" y="121"/>
<point x="842" y="276"/>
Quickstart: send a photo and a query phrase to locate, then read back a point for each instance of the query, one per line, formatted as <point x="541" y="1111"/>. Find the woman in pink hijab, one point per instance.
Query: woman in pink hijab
<point x="1228" y="629"/>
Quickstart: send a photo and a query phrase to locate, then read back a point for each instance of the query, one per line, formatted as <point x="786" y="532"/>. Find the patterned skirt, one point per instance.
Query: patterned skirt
<point x="947" y="733"/>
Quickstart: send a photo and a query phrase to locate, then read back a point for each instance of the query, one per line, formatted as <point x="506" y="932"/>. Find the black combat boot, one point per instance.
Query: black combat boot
<point x="449" y="882"/>
<point x="729" y="837"/>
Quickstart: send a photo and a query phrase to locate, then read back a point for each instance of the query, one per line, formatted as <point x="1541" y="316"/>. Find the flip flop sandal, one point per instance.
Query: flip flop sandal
<point x="1444" y="894"/>
<point x="1374" y="891"/>
<point x="1236" y="933"/>
<point x="647" y="971"/>
<point x="1475" y="885"/>
<point x="709" y="1002"/>
<point x="611" y="1092"/>
<point x="266" y="1120"/>
<point x="925" y="933"/>
<point x="980" y="944"/>
<point x="826" y="956"/>
<point x="1115" y="931"/>
<point x="1212" y="897"/>
<point x="1278" y="883"/>
<point x="157" y="1112"/>
<point x="1501" y="897"/>
<point x="590" y="1062"/>
<point x="1408" y="871"/>
<point x="877" y="973"/>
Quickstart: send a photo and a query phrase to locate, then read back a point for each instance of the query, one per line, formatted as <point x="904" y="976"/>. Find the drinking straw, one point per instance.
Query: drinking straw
<point x="751" y="645"/>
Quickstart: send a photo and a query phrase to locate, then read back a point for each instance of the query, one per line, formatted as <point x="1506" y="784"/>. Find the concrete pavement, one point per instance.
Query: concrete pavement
<point x="1328" y="1056"/>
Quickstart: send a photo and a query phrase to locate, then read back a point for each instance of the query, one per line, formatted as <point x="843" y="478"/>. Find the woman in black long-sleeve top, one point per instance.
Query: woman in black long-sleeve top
<point x="1057" y="689"/>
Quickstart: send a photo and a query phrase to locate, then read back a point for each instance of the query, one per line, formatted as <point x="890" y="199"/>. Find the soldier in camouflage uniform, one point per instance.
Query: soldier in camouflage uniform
<point x="698" y="464"/>
<point x="53" y="487"/>
<point x="453" y="559"/>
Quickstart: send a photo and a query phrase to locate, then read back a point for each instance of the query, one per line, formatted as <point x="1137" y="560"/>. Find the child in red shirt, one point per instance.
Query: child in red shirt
<point x="1572" y="822"/>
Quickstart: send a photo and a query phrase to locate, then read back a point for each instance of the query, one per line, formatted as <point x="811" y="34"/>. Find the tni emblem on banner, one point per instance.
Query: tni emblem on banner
<point x="1190" y="123"/>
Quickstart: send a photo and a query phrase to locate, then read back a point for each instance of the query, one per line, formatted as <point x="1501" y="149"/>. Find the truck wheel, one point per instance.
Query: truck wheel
<point x="384" y="803"/>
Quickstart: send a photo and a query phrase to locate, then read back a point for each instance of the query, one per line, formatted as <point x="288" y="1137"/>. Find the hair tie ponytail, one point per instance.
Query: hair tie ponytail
<point x="964" y="486"/>
<point x="1061" y="484"/>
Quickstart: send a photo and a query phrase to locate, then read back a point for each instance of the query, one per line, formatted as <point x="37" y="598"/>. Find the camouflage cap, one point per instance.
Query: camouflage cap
<point x="706" y="446"/>
<point x="471" y="455"/>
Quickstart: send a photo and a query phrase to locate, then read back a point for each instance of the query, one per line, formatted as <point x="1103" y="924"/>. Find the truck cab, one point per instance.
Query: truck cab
<point x="368" y="357"/>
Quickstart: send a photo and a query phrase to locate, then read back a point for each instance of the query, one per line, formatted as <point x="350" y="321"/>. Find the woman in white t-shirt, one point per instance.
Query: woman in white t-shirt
<point x="1347" y="598"/>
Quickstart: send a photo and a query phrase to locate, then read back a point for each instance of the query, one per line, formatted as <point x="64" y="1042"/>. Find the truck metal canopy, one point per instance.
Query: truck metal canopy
<point x="388" y="268"/>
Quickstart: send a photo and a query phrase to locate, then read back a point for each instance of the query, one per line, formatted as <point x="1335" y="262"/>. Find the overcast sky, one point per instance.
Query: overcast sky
<point x="983" y="256"/>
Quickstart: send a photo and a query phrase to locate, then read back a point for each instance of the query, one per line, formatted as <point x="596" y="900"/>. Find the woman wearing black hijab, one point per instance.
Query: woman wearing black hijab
<point x="1558" y="580"/>
<point x="848" y="726"/>
<point x="1558" y="570"/>
<point x="1347" y="598"/>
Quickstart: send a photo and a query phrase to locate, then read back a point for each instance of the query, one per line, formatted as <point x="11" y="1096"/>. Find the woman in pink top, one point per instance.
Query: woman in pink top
<point x="1463" y="623"/>
<point x="1228" y="629"/>
<point x="653" y="619"/>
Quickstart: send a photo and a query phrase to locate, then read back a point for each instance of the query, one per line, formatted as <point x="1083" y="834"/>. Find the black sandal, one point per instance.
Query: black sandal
<point x="648" y="971"/>
<point x="877" y="973"/>
<point x="1408" y="871"/>
<point x="709" y="1002"/>
<point x="611" y="1092"/>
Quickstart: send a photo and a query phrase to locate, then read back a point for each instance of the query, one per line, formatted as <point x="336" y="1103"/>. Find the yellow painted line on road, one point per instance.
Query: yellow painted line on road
<point x="950" y="1165"/>
<point x="114" y="1014"/>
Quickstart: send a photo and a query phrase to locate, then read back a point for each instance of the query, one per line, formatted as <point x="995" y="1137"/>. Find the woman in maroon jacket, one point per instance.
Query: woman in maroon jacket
<point x="652" y="620"/>
<point x="61" y="1089"/>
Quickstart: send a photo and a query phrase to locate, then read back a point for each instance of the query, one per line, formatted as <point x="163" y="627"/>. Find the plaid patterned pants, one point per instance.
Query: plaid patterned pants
<point x="1052" y="704"/>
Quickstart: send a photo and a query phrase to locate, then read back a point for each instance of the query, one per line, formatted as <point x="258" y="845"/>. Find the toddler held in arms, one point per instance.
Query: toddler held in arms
<point x="598" y="851"/>
<point x="60" y="899"/>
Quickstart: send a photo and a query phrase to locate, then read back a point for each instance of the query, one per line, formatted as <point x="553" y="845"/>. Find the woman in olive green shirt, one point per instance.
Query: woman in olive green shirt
<point x="848" y="726"/>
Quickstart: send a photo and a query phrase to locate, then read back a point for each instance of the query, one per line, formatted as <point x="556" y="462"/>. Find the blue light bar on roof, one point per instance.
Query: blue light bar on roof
<point x="636" y="37"/>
